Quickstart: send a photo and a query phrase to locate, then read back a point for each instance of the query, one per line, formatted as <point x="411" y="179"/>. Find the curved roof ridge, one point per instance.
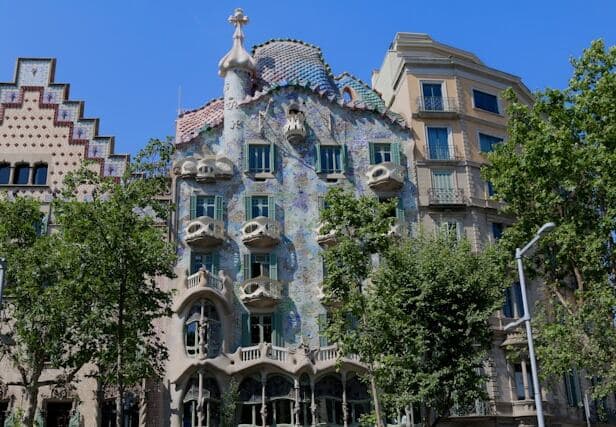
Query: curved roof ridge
<point x="194" y="110"/>
<point x="357" y="79"/>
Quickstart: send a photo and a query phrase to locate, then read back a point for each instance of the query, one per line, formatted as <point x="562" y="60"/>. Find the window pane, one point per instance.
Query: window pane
<point x="201" y="260"/>
<point x="21" y="174"/>
<point x="260" y="206"/>
<point x="5" y="173"/>
<point x="382" y="153"/>
<point x="442" y="179"/>
<point x="497" y="230"/>
<point x="433" y="97"/>
<point x="259" y="158"/>
<point x="330" y="159"/>
<point x="40" y="174"/>
<point x="519" y="382"/>
<point x="485" y="101"/>
<point x="206" y="206"/>
<point x="438" y="143"/>
<point x="487" y="142"/>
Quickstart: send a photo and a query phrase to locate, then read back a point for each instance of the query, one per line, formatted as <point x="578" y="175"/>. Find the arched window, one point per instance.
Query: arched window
<point x="209" y="409"/>
<point x="203" y="330"/>
<point x="40" y="174"/>
<point x="5" y="173"/>
<point x="21" y="174"/>
<point x="250" y="401"/>
<point x="358" y="399"/>
<point x="305" y="401"/>
<point x="280" y="400"/>
<point x="328" y="396"/>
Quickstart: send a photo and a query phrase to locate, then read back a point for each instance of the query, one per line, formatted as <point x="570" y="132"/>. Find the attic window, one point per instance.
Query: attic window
<point x="347" y="94"/>
<point x="294" y="110"/>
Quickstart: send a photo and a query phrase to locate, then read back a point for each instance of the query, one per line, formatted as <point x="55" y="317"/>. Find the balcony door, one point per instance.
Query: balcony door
<point x="432" y="96"/>
<point x="438" y="143"/>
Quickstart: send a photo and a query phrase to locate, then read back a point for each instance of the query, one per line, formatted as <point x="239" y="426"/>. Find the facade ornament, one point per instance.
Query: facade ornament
<point x="237" y="57"/>
<point x="295" y="127"/>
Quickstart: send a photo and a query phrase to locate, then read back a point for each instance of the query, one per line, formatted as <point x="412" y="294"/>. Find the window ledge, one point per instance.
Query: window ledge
<point x="489" y="112"/>
<point x="332" y="176"/>
<point x="25" y="185"/>
<point x="261" y="175"/>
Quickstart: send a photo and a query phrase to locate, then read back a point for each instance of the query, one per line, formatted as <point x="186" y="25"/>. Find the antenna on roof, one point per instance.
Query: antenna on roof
<point x="179" y="100"/>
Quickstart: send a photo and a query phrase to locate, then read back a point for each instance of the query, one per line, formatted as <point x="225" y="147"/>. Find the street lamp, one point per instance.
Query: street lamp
<point x="2" y="271"/>
<point x="519" y="253"/>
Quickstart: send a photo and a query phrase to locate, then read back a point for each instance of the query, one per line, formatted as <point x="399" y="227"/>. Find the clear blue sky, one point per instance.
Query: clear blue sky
<point x="127" y="58"/>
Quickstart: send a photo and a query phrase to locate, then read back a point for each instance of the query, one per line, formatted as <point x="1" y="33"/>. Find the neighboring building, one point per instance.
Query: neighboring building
<point x="43" y="136"/>
<point x="452" y="102"/>
<point x="251" y="170"/>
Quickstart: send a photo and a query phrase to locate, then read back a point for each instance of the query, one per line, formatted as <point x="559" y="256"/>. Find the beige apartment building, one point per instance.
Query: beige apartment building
<point x="453" y="105"/>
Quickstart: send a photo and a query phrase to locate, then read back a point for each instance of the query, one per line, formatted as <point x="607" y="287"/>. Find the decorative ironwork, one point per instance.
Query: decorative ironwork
<point x="446" y="196"/>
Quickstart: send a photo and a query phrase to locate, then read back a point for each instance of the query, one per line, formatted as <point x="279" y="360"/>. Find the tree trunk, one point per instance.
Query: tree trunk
<point x="30" y="403"/>
<point x="375" y="399"/>
<point x="119" y="378"/>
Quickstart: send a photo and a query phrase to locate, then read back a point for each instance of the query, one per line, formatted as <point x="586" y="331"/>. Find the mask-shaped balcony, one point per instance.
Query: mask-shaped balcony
<point x="325" y="239"/>
<point x="205" y="232"/>
<point x="261" y="232"/>
<point x="207" y="169"/>
<point x="260" y="292"/>
<point x="385" y="176"/>
<point x="294" y="129"/>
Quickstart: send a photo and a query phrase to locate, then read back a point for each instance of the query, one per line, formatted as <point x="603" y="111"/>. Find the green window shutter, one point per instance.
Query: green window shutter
<point x="248" y="207"/>
<point x="273" y="266"/>
<point x="245" y="330"/>
<point x="247" y="267"/>
<point x="277" y="330"/>
<point x="271" y="207"/>
<point x="322" y="325"/>
<point x="218" y="208"/>
<point x="395" y="153"/>
<point x="193" y="207"/>
<point x="317" y="160"/>
<point x="215" y="263"/>
<point x="371" y="152"/>
<point x="272" y="159"/>
<point x="246" y="158"/>
<point x="400" y="210"/>
<point x="344" y="158"/>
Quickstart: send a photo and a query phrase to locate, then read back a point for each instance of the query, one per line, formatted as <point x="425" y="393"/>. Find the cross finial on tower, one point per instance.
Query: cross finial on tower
<point x="237" y="57"/>
<point x="238" y="18"/>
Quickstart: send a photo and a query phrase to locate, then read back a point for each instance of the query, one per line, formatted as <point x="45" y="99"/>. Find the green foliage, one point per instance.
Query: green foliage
<point x="558" y="165"/>
<point x="229" y="404"/>
<point x="121" y="234"/>
<point x="420" y="319"/>
<point x="47" y="319"/>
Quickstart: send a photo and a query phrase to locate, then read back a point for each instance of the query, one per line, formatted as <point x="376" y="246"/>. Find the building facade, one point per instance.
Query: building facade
<point x="43" y="136"/>
<point x="453" y="104"/>
<point x="251" y="170"/>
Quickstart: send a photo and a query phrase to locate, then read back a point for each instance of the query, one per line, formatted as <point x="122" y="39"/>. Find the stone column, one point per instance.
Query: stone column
<point x="200" y="401"/>
<point x="345" y="410"/>
<point x="297" y="402"/>
<point x="143" y="407"/>
<point x="527" y="395"/>
<point x="313" y="403"/>
<point x="263" y="405"/>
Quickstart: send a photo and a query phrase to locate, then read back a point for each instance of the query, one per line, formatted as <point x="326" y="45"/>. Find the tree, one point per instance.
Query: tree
<point x="558" y="165"/>
<point x="48" y="322"/>
<point x="121" y="231"/>
<point x="419" y="321"/>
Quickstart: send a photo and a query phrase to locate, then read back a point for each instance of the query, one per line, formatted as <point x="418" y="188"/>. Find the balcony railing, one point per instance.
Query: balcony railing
<point x="443" y="153"/>
<point x="446" y="196"/>
<point x="479" y="408"/>
<point x="437" y="104"/>
<point x="325" y="239"/>
<point x="205" y="279"/>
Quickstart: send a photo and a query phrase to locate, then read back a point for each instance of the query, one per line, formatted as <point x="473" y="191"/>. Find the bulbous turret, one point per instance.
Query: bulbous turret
<point x="237" y="57"/>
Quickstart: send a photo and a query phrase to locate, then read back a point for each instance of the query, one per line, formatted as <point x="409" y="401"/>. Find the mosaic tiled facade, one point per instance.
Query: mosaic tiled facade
<point x="239" y="209"/>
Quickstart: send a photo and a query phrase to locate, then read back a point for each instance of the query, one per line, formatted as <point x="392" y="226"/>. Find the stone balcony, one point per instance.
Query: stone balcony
<point x="207" y="169"/>
<point x="204" y="282"/>
<point x="385" y="176"/>
<point x="325" y="239"/>
<point x="295" y="129"/>
<point x="261" y="232"/>
<point x="260" y="292"/>
<point x="204" y="232"/>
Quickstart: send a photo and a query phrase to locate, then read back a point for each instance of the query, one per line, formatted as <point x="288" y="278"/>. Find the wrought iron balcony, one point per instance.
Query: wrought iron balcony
<point x="261" y="232"/>
<point x="446" y="196"/>
<point x="386" y="176"/>
<point x="437" y="104"/>
<point x="294" y="129"/>
<point x="443" y="154"/>
<point x="261" y="292"/>
<point x="325" y="239"/>
<point x="205" y="232"/>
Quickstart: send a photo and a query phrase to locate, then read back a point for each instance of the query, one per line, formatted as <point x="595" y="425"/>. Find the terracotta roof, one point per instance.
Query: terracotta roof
<point x="285" y="60"/>
<point x="190" y="123"/>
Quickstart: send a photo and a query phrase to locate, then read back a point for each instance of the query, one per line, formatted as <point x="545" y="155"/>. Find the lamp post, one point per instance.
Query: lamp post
<point x="519" y="253"/>
<point x="2" y="271"/>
